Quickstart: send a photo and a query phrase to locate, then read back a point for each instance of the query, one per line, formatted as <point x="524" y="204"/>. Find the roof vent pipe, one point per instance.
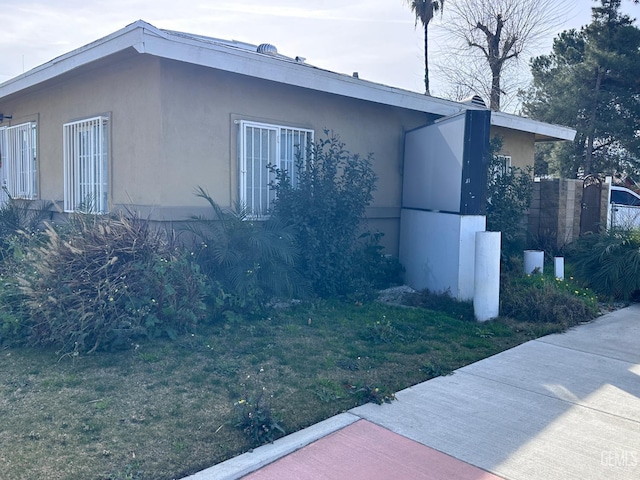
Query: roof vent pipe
<point x="267" y="49"/>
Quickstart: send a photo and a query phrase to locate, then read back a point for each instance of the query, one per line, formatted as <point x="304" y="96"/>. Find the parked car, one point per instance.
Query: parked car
<point x="624" y="208"/>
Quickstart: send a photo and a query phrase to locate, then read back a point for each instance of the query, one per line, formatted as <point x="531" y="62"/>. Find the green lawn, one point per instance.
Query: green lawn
<point x="165" y="409"/>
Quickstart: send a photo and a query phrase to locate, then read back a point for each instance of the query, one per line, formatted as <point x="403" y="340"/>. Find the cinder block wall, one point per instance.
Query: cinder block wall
<point x="570" y="217"/>
<point x="604" y="205"/>
<point x="554" y="214"/>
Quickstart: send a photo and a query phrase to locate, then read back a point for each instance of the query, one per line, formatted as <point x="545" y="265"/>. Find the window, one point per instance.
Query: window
<point x="3" y="161"/>
<point x="262" y="145"/>
<point x="620" y="197"/>
<point x="18" y="156"/>
<point x="502" y="164"/>
<point x="85" y="155"/>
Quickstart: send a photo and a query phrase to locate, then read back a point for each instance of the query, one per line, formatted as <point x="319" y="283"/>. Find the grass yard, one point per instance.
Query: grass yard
<point x="166" y="409"/>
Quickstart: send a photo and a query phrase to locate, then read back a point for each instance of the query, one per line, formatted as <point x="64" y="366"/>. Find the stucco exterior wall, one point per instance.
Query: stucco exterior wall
<point x="519" y="145"/>
<point x="201" y="109"/>
<point x="217" y="100"/>
<point x="173" y="127"/>
<point x="125" y="90"/>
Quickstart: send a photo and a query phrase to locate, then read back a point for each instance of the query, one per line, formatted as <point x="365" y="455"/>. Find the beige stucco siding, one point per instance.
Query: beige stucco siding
<point x="128" y="92"/>
<point x="174" y="126"/>
<point x="201" y="107"/>
<point x="519" y="145"/>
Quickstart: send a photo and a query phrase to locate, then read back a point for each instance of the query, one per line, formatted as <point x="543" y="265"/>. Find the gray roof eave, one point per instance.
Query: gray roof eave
<point x="237" y="58"/>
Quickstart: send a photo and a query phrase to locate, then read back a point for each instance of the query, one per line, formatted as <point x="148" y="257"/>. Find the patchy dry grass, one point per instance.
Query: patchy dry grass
<point x="165" y="409"/>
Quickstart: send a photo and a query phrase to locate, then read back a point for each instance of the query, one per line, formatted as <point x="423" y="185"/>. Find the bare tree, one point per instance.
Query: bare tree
<point x="499" y="33"/>
<point x="465" y="74"/>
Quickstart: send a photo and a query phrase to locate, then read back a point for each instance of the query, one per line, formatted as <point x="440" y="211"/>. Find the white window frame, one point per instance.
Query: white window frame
<point x="3" y="169"/>
<point x="86" y="165"/>
<point x="262" y="144"/>
<point x="18" y="151"/>
<point x="504" y="165"/>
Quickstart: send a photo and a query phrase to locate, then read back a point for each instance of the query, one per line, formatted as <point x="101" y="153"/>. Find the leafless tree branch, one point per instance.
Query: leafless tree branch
<point x="499" y="32"/>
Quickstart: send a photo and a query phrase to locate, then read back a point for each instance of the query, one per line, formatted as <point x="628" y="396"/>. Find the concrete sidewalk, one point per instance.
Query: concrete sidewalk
<point x="564" y="406"/>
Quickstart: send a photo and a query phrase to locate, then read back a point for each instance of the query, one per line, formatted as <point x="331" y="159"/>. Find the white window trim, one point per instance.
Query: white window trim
<point x="3" y="168"/>
<point x="18" y="150"/>
<point x="505" y="162"/>
<point x="253" y="206"/>
<point x="86" y="166"/>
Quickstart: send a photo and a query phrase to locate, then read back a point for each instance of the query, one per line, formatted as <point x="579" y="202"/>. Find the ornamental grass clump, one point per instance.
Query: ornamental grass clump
<point x="101" y="281"/>
<point x="609" y="262"/>
<point x="19" y="218"/>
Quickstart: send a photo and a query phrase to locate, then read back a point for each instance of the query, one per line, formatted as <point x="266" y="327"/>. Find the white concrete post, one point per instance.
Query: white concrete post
<point x="533" y="259"/>
<point x="486" y="295"/>
<point x="558" y="267"/>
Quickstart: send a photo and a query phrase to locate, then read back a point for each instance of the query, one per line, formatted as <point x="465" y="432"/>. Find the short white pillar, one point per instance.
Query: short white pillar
<point x="558" y="267"/>
<point x="486" y="292"/>
<point x="533" y="259"/>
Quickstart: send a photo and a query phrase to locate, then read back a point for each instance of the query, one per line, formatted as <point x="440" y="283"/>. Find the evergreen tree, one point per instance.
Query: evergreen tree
<point x="591" y="82"/>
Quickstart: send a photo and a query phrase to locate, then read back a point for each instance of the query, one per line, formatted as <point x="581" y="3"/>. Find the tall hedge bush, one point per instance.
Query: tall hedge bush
<point x="326" y="209"/>
<point x="508" y="198"/>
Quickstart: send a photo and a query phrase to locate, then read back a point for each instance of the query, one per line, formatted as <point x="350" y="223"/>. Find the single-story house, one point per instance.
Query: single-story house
<point x="143" y="116"/>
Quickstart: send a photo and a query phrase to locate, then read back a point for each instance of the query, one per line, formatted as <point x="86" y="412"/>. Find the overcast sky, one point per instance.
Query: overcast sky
<point x="376" y="38"/>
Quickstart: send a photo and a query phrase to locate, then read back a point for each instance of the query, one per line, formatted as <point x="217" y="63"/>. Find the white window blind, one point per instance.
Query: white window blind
<point x="85" y="151"/>
<point x="262" y="145"/>
<point x="18" y="153"/>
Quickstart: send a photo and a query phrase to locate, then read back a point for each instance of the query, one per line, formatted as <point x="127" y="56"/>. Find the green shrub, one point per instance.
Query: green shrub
<point x="253" y="262"/>
<point x="101" y="281"/>
<point x="609" y="262"/>
<point x="20" y="221"/>
<point x="21" y="215"/>
<point x="508" y="198"/>
<point x="14" y="314"/>
<point x="326" y="209"/>
<point x="379" y="270"/>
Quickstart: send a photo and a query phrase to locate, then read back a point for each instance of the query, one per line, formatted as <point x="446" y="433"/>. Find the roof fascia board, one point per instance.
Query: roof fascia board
<point x="306" y="76"/>
<point x="147" y="39"/>
<point x="130" y="36"/>
<point x="543" y="131"/>
<point x="292" y="73"/>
